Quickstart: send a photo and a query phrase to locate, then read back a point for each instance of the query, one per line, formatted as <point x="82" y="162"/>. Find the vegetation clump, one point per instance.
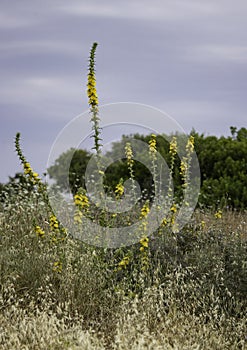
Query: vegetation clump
<point x="174" y="289"/>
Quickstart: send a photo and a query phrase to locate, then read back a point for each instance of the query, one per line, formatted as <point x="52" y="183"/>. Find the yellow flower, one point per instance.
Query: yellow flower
<point x="173" y="146"/>
<point x="190" y="144"/>
<point x="39" y="231"/>
<point x="91" y="84"/>
<point x="183" y="166"/>
<point x="144" y="210"/>
<point x="164" y="222"/>
<point x="81" y="200"/>
<point x="144" y="242"/>
<point x="174" y="208"/>
<point x="119" y="189"/>
<point x="129" y="154"/>
<point x="57" y="266"/>
<point x="27" y="165"/>
<point x="54" y="225"/>
<point x="35" y="175"/>
<point x="218" y="214"/>
<point x="82" y="204"/>
<point x="124" y="262"/>
<point x="77" y="201"/>
<point x="152" y="144"/>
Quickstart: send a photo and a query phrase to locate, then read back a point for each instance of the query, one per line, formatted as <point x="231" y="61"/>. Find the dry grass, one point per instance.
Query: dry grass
<point x="193" y="295"/>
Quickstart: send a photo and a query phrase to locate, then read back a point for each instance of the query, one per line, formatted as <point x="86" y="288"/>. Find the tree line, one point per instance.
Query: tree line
<point x="222" y="161"/>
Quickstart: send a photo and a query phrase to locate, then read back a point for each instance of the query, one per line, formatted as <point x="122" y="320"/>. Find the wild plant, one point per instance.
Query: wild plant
<point x="169" y="290"/>
<point x="83" y="205"/>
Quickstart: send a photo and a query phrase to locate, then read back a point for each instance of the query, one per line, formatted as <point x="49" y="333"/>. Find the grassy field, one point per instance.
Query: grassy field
<point x="59" y="293"/>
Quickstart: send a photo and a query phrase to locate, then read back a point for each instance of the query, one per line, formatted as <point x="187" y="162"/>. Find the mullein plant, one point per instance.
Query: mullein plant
<point x="93" y="100"/>
<point x="153" y="156"/>
<point x="130" y="164"/>
<point x="169" y="220"/>
<point x="58" y="232"/>
<point x="186" y="163"/>
<point x="185" y="167"/>
<point x="185" y="173"/>
<point x="33" y="177"/>
<point x="80" y="199"/>
<point x="173" y="148"/>
<point x="81" y="202"/>
<point x="144" y="241"/>
<point x="119" y="190"/>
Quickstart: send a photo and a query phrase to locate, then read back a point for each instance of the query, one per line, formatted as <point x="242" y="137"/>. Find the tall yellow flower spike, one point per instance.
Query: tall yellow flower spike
<point x="190" y="144"/>
<point x="91" y="84"/>
<point x="129" y="154"/>
<point x="119" y="189"/>
<point x="130" y="163"/>
<point x="144" y="210"/>
<point x="82" y="204"/>
<point x="173" y="146"/>
<point x="152" y="144"/>
<point x="93" y="99"/>
<point x="186" y="162"/>
<point x="33" y="176"/>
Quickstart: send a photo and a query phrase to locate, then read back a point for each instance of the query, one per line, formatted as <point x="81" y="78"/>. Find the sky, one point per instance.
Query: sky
<point x="187" y="58"/>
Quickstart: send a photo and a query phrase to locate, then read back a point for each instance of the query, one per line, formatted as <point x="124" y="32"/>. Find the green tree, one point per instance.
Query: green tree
<point x="222" y="160"/>
<point x="223" y="164"/>
<point x="74" y="160"/>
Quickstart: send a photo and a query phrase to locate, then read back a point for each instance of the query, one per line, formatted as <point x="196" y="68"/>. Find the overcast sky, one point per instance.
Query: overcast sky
<point x="187" y="58"/>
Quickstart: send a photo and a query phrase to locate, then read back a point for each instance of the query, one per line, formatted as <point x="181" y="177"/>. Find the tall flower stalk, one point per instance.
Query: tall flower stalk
<point x="172" y="152"/>
<point x="130" y="164"/>
<point x="144" y="241"/>
<point x="58" y="230"/>
<point x="93" y="99"/>
<point x="186" y="163"/>
<point x="153" y="155"/>
<point x="28" y="171"/>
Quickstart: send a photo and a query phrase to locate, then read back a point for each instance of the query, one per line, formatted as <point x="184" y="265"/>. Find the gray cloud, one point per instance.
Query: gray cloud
<point x="187" y="58"/>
